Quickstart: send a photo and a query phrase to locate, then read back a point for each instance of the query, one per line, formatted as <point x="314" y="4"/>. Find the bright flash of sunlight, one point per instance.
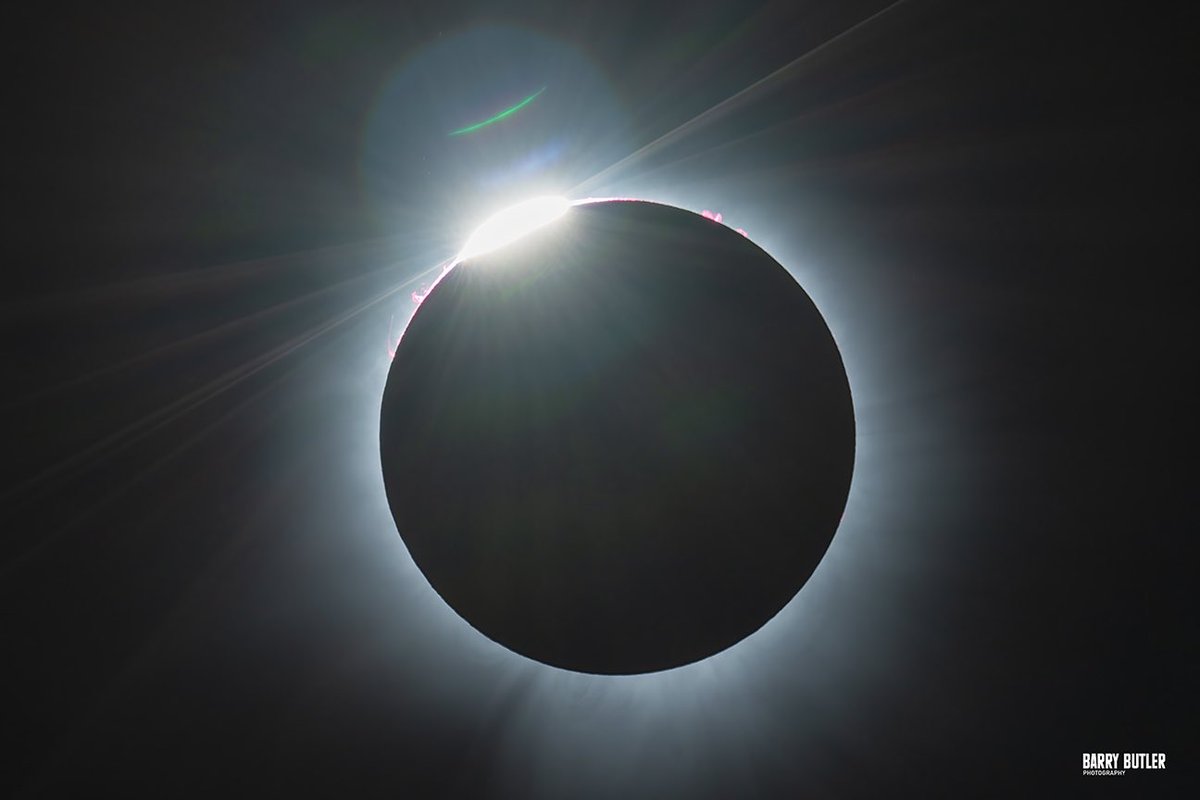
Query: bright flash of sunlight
<point x="513" y="223"/>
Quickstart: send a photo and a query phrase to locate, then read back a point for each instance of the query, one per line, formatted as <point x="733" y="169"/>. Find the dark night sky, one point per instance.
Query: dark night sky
<point x="201" y="593"/>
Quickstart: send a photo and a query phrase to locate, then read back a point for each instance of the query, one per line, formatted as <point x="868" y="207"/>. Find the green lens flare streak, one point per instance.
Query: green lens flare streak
<point x="508" y="112"/>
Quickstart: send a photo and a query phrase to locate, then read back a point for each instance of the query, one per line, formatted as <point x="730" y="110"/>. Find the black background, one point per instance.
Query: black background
<point x="1019" y="182"/>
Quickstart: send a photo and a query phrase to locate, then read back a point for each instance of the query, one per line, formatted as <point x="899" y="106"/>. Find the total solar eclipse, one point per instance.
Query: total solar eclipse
<point x="622" y="442"/>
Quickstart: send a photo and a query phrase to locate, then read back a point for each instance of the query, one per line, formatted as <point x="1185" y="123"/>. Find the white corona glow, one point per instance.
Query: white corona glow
<point x="513" y="223"/>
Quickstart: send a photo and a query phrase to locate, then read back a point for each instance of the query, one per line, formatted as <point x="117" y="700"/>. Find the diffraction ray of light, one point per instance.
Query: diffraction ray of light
<point x="730" y="103"/>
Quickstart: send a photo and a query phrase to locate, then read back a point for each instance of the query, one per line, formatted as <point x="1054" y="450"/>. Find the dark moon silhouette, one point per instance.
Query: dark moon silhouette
<point x="621" y="444"/>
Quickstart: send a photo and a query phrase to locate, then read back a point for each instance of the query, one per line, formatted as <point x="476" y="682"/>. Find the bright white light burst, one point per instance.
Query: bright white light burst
<point x="507" y="226"/>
